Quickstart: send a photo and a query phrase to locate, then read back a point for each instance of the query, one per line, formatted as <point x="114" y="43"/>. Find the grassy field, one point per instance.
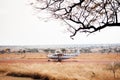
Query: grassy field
<point x="61" y="70"/>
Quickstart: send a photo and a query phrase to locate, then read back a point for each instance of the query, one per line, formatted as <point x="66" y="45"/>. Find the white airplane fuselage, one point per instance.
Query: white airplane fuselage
<point x="62" y="56"/>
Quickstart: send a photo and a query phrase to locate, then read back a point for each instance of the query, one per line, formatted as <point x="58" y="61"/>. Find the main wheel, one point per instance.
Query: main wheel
<point x="59" y="60"/>
<point x="48" y="60"/>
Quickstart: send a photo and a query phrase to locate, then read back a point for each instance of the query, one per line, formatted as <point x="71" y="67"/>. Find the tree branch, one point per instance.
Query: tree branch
<point x="89" y="15"/>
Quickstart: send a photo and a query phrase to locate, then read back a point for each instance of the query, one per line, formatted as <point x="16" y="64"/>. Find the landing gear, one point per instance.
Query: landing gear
<point x="48" y="60"/>
<point x="59" y="60"/>
<point x="59" y="57"/>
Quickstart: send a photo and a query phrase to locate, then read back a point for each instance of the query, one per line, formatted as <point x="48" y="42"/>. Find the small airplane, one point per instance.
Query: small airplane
<point x="61" y="56"/>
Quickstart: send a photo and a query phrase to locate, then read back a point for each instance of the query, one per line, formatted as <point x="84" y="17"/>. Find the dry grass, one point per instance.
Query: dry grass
<point x="60" y="71"/>
<point x="26" y="55"/>
<point x="99" y="56"/>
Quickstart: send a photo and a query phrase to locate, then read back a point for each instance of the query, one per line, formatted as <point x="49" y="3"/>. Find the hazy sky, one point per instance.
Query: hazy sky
<point x="20" y="26"/>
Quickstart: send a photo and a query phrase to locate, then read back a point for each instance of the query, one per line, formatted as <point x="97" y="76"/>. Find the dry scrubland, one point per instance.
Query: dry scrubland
<point x="61" y="71"/>
<point x="25" y="56"/>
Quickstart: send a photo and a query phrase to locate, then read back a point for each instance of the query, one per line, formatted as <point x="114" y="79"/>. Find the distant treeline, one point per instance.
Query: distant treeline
<point x="90" y="49"/>
<point x="100" y="50"/>
<point x="8" y="50"/>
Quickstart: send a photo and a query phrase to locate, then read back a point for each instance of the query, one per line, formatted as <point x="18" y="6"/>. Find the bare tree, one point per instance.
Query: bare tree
<point x="86" y="16"/>
<point x="114" y="66"/>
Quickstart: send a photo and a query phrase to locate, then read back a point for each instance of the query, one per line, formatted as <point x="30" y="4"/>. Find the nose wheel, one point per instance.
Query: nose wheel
<point x="48" y="60"/>
<point x="59" y="60"/>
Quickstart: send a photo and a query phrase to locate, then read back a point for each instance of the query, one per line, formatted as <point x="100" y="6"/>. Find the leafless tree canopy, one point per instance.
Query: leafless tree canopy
<point x="86" y="16"/>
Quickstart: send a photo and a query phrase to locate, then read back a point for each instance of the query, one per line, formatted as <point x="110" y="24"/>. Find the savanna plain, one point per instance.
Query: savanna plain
<point x="35" y="66"/>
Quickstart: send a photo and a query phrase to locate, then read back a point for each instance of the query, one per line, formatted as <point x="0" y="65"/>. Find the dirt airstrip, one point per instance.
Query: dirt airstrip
<point x="42" y="58"/>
